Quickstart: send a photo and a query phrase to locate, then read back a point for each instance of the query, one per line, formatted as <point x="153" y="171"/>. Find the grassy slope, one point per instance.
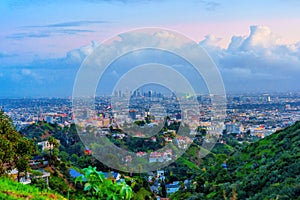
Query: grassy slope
<point x="10" y="189"/>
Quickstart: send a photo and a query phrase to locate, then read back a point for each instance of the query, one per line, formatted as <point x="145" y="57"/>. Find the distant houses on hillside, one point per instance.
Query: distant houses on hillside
<point x="160" y="156"/>
<point x="26" y="178"/>
<point x="45" y="145"/>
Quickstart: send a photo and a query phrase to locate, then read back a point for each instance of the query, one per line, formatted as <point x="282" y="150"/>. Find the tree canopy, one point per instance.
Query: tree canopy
<point x="15" y="150"/>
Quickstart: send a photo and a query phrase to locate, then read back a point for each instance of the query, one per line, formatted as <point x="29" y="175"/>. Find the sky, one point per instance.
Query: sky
<point x="255" y="44"/>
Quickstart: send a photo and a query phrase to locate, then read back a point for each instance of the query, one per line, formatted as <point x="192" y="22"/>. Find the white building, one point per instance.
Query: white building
<point x="45" y="145"/>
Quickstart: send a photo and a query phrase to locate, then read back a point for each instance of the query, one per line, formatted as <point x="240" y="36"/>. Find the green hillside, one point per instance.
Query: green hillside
<point x="10" y="190"/>
<point x="267" y="169"/>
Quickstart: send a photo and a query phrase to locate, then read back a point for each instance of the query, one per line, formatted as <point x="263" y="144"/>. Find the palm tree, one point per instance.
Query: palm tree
<point x="54" y="144"/>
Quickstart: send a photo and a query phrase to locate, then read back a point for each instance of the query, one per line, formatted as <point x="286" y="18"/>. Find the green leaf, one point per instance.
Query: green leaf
<point x="79" y="178"/>
<point x="87" y="186"/>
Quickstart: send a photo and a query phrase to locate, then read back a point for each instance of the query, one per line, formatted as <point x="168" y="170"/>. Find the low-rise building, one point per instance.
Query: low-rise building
<point x="45" y="145"/>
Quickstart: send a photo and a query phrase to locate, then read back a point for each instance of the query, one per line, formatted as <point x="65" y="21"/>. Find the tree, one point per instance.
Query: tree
<point x="24" y="150"/>
<point x="54" y="144"/>
<point x="8" y="135"/>
<point x="15" y="150"/>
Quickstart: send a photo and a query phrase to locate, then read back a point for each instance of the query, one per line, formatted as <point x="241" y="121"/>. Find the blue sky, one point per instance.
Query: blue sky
<point x="255" y="44"/>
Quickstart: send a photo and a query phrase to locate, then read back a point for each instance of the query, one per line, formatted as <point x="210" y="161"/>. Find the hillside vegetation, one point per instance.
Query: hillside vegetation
<point x="267" y="169"/>
<point x="10" y="190"/>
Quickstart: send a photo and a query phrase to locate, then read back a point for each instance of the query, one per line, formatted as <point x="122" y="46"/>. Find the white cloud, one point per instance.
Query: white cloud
<point x="260" y="37"/>
<point x="260" y="56"/>
<point x="255" y="58"/>
<point x="77" y="55"/>
<point x="211" y="41"/>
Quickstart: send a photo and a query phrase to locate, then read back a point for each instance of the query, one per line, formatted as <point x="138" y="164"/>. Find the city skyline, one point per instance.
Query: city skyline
<point x="255" y="45"/>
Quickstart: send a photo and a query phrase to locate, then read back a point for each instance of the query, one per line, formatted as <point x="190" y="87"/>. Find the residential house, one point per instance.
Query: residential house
<point x="45" y="145"/>
<point x="160" y="156"/>
<point x="173" y="187"/>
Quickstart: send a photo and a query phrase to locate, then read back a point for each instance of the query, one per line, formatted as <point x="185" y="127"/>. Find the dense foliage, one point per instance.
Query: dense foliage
<point x="15" y="150"/>
<point x="267" y="169"/>
<point x="97" y="186"/>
